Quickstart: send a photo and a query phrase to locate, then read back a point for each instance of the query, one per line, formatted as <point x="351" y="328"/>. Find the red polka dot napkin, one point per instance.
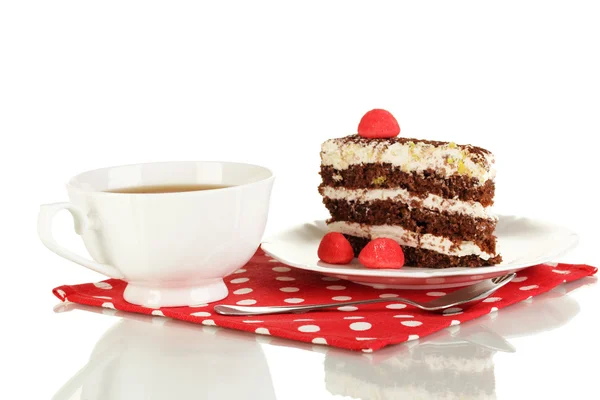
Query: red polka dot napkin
<point x="366" y="327"/>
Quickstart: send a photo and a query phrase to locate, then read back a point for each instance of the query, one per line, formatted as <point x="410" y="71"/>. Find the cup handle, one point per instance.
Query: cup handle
<point x="45" y="217"/>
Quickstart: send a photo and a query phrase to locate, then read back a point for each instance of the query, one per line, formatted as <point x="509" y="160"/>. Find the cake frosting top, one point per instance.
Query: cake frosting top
<point x="411" y="155"/>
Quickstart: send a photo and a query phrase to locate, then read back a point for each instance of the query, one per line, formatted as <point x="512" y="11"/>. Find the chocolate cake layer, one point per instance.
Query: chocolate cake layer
<point x="383" y="175"/>
<point x="428" y="258"/>
<point x="455" y="227"/>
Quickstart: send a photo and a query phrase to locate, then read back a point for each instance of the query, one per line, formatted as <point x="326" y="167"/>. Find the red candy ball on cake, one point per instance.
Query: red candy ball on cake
<point x="378" y="123"/>
<point x="335" y="249"/>
<point x="382" y="253"/>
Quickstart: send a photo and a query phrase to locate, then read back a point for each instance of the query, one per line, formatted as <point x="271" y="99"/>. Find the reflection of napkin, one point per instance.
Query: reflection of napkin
<point x="367" y="327"/>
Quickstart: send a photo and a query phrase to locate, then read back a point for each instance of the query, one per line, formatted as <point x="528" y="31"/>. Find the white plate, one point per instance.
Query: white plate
<point x="522" y="242"/>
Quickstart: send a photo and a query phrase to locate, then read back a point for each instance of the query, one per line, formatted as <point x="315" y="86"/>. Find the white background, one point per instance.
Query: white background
<point x="90" y="84"/>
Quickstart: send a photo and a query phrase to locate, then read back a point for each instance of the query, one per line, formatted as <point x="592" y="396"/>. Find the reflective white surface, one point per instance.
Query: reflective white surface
<point x="148" y="358"/>
<point x="143" y="357"/>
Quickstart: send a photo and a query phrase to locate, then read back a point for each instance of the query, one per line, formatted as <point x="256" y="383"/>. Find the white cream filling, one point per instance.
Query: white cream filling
<point x="411" y="239"/>
<point x="431" y="202"/>
<point x="447" y="159"/>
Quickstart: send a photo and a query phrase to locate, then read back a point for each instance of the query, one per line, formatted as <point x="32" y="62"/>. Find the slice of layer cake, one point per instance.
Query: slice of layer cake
<point x="432" y="197"/>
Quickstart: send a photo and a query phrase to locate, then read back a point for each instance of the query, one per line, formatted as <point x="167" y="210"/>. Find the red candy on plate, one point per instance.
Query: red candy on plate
<point x="378" y="123"/>
<point x="382" y="253"/>
<point x="335" y="249"/>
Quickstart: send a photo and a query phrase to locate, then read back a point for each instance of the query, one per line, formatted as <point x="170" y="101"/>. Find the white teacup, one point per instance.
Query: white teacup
<point x="173" y="249"/>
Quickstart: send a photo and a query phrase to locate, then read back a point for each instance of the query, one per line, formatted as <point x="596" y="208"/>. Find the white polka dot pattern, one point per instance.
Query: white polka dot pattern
<point x="309" y="328"/>
<point x="242" y="291"/>
<point x="285" y="278"/>
<point x="262" y="331"/>
<point x="388" y="295"/>
<point x="560" y="271"/>
<point x="200" y="314"/>
<point x="396" y="306"/>
<point x="246" y="302"/>
<point x="519" y="279"/>
<point x="360" y="326"/>
<point x="108" y="305"/>
<point x="413" y="337"/>
<point x="289" y="289"/>
<point x="492" y="299"/>
<point x="453" y="311"/>
<point x="530" y="287"/>
<point x="341" y="298"/>
<point x="158" y="313"/>
<point x="294" y="300"/>
<point x="103" y="285"/>
<point x="347" y="308"/>
<point x="281" y="269"/>
<point x="319" y="340"/>
<point x="336" y="287"/>
<point x="411" y="323"/>
<point x="239" y="280"/>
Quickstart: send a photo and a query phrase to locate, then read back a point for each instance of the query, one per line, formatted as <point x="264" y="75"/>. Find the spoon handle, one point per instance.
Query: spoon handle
<point x="465" y="296"/>
<point x="230" y="309"/>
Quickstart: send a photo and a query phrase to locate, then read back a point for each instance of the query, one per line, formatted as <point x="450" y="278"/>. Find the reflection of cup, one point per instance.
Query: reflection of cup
<point x="174" y="248"/>
<point x="152" y="359"/>
<point x="452" y="364"/>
